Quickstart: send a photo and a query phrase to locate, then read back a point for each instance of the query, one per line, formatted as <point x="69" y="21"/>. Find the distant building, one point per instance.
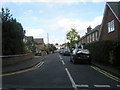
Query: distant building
<point x="91" y="35"/>
<point x="28" y="38"/>
<point x="110" y="28"/>
<point x="58" y="46"/>
<point x="40" y="43"/>
<point x="29" y="42"/>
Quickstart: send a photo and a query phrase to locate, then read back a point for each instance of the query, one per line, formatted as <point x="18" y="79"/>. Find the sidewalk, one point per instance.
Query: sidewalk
<point x="23" y="65"/>
<point x="109" y="68"/>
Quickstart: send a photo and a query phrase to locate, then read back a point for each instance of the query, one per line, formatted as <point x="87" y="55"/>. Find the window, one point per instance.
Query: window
<point x="96" y="35"/>
<point x="111" y="26"/>
<point x="87" y="39"/>
<point x="90" y="37"/>
<point x="93" y="37"/>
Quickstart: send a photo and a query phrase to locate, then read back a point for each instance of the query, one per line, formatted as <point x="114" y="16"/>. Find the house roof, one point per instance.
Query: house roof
<point x="39" y="40"/>
<point x="115" y="8"/>
<point x="97" y="28"/>
<point x="29" y="38"/>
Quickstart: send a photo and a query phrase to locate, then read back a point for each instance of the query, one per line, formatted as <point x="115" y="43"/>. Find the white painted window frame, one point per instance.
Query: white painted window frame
<point x="111" y="26"/>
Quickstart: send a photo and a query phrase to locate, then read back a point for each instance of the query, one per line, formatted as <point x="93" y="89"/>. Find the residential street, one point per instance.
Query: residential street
<point x="57" y="72"/>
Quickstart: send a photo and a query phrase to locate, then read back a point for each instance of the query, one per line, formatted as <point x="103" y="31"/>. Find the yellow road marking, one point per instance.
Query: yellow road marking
<point x="22" y="71"/>
<point x="106" y="73"/>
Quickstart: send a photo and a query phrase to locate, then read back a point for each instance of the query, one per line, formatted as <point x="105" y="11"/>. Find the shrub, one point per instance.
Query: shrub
<point x="114" y="54"/>
<point x="105" y="51"/>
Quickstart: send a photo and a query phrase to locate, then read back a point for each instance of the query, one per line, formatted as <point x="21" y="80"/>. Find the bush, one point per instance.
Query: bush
<point x="114" y="55"/>
<point x="105" y="51"/>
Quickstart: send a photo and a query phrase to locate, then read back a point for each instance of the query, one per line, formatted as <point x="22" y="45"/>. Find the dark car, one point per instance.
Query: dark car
<point x="80" y="55"/>
<point x="66" y="52"/>
<point x="61" y="51"/>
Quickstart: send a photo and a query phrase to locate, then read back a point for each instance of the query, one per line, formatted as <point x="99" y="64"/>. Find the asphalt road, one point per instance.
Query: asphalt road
<point x="57" y="72"/>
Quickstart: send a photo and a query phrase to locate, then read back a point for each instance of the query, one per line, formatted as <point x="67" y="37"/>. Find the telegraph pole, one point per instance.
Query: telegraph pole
<point x="47" y="38"/>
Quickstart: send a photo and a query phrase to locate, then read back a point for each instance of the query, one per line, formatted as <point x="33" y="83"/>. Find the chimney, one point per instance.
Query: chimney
<point x="89" y="29"/>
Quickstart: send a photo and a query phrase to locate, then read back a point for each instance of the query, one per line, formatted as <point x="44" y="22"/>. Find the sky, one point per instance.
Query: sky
<point x="56" y="17"/>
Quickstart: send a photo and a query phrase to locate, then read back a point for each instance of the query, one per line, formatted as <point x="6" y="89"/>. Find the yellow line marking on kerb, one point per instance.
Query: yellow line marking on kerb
<point x="106" y="73"/>
<point x="22" y="71"/>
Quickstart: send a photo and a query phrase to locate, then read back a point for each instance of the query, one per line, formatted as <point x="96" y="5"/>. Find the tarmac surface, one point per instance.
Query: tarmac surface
<point x="30" y="63"/>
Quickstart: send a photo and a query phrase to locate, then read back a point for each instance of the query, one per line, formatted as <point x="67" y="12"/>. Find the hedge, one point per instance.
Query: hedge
<point x="105" y="51"/>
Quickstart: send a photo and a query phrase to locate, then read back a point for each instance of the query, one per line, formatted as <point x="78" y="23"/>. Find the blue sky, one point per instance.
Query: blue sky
<point x="56" y="18"/>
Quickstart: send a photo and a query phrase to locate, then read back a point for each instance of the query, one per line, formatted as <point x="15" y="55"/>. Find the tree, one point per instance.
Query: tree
<point x="72" y="36"/>
<point x="56" y="44"/>
<point x="31" y="46"/>
<point x="12" y="35"/>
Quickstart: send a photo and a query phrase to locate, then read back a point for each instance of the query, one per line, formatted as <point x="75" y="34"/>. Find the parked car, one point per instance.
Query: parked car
<point x="80" y="55"/>
<point x="38" y="52"/>
<point x="61" y="51"/>
<point x="66" y="52"/>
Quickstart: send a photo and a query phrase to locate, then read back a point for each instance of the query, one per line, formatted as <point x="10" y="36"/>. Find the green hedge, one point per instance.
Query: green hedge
<point x="105" y="51"/>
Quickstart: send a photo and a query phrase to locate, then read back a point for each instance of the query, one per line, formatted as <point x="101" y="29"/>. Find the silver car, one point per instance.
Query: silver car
<point x="80" y="55"/>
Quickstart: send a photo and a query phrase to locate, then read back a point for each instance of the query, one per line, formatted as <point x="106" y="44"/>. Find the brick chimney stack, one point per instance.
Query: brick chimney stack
<point x="89" y="29"/>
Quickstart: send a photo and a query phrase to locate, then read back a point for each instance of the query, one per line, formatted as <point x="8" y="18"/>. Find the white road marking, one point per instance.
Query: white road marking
<point x="82" y="85"/>
<point x="71" y="79"/>
<point x="60" y="57"/>
<point x="63" y="62"/>
<point x="101" y="85"/>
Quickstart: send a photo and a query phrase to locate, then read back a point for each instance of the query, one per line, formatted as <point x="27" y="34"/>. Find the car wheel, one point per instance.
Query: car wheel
<point x="74" y="62"/>
<point x="89" y="62"/>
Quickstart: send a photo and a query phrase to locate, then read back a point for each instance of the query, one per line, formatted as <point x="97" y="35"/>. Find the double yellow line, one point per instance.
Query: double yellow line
<point x="106" y="73"/>
<point x="22" y="71"/>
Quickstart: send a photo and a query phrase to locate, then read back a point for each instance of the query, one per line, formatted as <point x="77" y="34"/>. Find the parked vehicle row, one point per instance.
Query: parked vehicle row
<point x="77" y="55"/>
<point x="64" y="52"/>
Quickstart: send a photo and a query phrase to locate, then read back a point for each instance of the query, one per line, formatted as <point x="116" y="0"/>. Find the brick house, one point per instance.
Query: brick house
<point x="91" y="35"/>
<point x="110" y="28"/>
<point x="40" y="43"/>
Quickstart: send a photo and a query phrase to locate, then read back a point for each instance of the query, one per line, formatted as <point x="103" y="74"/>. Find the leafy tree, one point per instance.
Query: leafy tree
<point x="12" y="35"/>
<point x="56" y="44"/>
<point x="31" y="46"/>
<point x="72" y="36"/>
<point x="51" y="48"/>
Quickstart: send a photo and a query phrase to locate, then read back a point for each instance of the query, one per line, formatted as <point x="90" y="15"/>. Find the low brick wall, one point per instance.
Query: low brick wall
<point x="12" y="59"/>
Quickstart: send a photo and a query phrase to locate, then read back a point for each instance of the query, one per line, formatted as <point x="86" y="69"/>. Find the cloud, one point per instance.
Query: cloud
<point x="36" y="33"/>
<point x="97" y="20"/>
<point x="54" y="40"/>
<point x="64" y="25"/>
<point x="80" y="25"/>
<point x="28" y="12"/>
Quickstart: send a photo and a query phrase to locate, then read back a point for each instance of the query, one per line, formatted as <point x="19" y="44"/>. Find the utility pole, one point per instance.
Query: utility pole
<point x="47" y="40"/>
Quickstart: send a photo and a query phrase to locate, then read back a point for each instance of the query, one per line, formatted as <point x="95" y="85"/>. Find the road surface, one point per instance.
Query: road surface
<point x="57" y="72"/>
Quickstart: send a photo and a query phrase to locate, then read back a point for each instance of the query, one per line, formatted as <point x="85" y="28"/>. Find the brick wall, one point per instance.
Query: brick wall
<point x="12" y="59"/>
<point x="111" y="35"/>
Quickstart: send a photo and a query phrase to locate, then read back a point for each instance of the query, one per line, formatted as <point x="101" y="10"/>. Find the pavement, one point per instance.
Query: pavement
<point x="30" y="63"/>
<point x="114" y="70"/>
<point x="23" y="65"/>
